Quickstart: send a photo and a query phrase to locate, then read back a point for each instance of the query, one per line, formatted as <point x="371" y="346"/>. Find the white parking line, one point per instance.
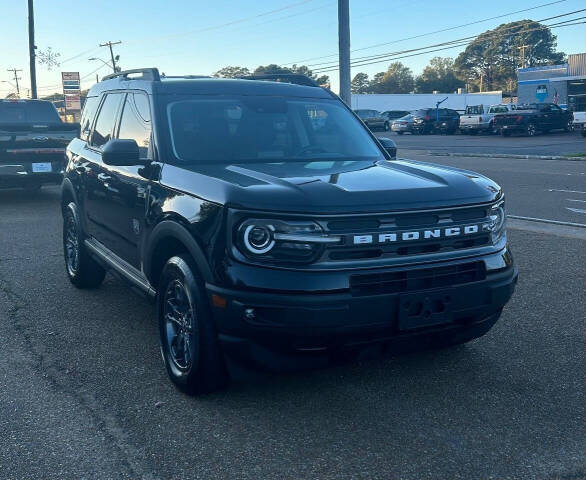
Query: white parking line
<point x="577" y="210"/>
<point x="545" y="220"/>
<point x="574" y="200"/>
<point x="567" y="191"/>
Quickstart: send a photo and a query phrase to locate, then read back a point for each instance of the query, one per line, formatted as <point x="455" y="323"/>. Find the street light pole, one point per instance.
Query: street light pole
<point x="31" y="48"/>
<point x="344" y="49"/>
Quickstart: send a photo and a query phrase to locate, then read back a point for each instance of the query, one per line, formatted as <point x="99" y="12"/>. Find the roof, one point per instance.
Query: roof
<point x="150" y="81"/>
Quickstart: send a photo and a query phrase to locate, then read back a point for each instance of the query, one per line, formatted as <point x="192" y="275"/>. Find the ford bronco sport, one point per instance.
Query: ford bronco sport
<point x="263" y="216"/>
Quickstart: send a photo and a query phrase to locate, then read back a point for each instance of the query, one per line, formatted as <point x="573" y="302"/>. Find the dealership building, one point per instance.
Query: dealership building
<point x="562" y="84"/>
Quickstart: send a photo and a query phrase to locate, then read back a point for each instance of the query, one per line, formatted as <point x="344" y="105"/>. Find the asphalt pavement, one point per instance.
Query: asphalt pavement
<point x="83" y="393"/>
<point x="550" y="144"/>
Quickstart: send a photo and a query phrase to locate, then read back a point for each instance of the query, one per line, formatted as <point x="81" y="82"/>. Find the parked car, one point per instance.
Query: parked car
<point x="403" y="124"/>
<point x="391" y="115"/>
<point x="479" y="118"/>
<point x="579" y="122"/>
<point x="533" y="118"/>
<point x="431" y="120"/>
<point x="32" y="143"/>
<point x="373" y="119"/>
<point x="260" y="233"/>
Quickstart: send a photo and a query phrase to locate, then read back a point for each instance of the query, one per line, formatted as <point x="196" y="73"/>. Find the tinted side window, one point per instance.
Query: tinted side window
<point x="106" y="120"/>
<point x="87" y="117"/>
<point x="135" y="123"/>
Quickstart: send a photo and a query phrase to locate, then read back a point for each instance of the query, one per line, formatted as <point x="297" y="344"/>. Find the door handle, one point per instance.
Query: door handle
<point x="102" y="177"/>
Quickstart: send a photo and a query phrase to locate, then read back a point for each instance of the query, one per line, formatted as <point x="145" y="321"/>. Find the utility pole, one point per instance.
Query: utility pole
<point x="109" y="44"/>
<point x="344" y="49"/>
<point x="31" y="48"/>
<point x="16" y="79"/>
<point x="522" y="53"/>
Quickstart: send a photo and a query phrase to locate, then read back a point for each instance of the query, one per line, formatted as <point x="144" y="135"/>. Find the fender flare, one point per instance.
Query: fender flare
<point x="67" y="186"/>
<point x="168" y="228"/>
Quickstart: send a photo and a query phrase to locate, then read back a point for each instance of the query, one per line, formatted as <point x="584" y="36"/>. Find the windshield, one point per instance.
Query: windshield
<point x="265" y="129"/>
<point x="498" y="109"/>
<point x="28" y="112"/>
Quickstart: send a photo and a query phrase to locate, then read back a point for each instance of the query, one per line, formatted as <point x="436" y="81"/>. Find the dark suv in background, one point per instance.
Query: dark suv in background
<point x="268" y="222"/>
<point x="373" y="119"/>
<point x="431" y="120"/>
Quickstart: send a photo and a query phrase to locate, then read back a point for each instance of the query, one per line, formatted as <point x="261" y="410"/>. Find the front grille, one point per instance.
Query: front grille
<point x="416" y="279"/>
<point x="374" y="225"/>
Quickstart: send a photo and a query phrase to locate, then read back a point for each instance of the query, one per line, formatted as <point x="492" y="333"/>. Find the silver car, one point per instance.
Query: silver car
<point x="403" y="124"/>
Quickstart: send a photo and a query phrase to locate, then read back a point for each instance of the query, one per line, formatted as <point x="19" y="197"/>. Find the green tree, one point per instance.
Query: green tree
<point x="232" y="72"/>
<point x="492" y="58"/>
<point x="360" y="83"/>
<point x="439" y="75"/>
<point x="300" y="69"/>
<point x="397" y="79"/>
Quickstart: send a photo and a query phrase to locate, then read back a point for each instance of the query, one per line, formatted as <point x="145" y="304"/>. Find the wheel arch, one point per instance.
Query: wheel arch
<point x="169" y="239"/>
<point x="67" y="194"/>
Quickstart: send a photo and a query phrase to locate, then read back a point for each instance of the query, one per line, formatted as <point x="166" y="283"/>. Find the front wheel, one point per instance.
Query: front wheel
<point x="531" y="131"/>
<point x="189" y="343"/>
<point x="83" y="271"/>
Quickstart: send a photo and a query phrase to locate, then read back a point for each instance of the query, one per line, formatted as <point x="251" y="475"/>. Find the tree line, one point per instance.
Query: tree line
<point x="489" y="62"/>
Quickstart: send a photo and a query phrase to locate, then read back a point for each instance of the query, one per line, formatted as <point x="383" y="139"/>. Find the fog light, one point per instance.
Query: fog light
<point x="249" y="314"/>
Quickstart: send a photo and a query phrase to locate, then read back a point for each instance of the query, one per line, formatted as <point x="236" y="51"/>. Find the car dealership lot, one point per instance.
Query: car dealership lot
<point x="555" y="143"/>
<point x="509" y="405"/>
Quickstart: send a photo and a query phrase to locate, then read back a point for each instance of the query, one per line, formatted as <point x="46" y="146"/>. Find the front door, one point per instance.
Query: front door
<point x="128" y="186"/>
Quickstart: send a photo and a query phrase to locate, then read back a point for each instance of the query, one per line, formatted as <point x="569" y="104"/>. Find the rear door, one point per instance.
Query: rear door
<point x="97" y="178"/>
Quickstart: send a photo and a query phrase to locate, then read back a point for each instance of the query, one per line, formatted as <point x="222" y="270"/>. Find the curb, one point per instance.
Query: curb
<point x="507" y="155"/>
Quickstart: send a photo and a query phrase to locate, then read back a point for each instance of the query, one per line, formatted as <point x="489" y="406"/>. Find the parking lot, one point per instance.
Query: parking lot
<point x="509" y="405"/>
<point x="550" y="144"/>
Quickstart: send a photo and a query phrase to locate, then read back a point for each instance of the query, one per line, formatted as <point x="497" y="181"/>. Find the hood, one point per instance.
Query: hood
<point x="332" y="186"/>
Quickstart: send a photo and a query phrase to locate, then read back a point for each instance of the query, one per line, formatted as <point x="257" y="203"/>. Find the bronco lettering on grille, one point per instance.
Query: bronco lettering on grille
<point x="420" y="234"/>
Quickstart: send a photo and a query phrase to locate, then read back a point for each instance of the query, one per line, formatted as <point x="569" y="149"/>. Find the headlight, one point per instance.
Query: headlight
<point x="280" y="241"/>
<point x="497" y="222"/>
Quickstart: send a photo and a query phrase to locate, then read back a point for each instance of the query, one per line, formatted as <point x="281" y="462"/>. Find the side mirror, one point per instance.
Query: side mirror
<point x="122" y="153"/>
<point x="389" y="146"/>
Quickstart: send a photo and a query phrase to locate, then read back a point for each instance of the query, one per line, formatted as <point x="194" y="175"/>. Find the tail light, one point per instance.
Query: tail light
<point x="427" y="117"/>
<point x="519" y="118"/>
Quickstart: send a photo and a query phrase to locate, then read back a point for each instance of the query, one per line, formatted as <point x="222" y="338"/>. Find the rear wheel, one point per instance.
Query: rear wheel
<point x="569" y="126"/>
<point x="83" y="271"/>
<point x="386" y="126"/>
<point x="530" y="130"/>
<point x="400" y="133"/>
<point x="189" y="343"/>
<point x="505" y="133"/>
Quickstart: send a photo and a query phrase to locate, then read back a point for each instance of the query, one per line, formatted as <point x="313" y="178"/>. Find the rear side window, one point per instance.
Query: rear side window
<point x="87" y="117"/>
<point x="106" y="119"/>
<point x="135" y="123"/>
<point x="475" y="110"/>
<point x="28" y="112"/>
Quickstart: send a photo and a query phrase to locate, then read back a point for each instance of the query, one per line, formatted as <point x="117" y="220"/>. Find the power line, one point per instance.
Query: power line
<point x="431" y="33"/>
<point x="450" y="45"/>
<point x="392" y="54"/>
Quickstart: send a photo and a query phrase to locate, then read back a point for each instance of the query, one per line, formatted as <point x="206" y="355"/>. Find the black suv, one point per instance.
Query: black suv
<point x="431" y="120"/>
<point x="267" y="221"/>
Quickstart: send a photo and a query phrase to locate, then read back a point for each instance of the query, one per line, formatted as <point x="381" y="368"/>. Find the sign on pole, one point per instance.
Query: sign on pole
<point x="72" y="91"/>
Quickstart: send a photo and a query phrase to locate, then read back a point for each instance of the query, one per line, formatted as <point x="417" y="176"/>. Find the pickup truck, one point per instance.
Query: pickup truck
<point x="32" y="143"/>
<point x="580" y="122"/>
<point x="533" y="118"/>
<point x="479" y="118"/>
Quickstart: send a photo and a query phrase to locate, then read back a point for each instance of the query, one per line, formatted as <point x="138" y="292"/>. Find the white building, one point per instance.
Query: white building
<point x="415" y="101"/>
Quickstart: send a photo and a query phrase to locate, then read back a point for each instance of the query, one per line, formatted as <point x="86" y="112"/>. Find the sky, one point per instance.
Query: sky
<point x="200" y="36"/>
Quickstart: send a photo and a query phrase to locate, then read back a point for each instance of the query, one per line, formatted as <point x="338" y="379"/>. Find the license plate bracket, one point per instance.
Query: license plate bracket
<point x="425" y="309"/>
<point x="42" y="167"/>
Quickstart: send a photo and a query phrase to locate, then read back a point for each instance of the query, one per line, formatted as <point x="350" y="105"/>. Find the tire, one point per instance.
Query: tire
<point x="83" y="271"/>
<point x="400" y="133"/>
<point x="386" y="126"/>
<point x="530" y="130"/>
<point x="583" y="132"/>
<point x="568" y="127"/>
<point x="189" y="342"/>
<point x="473" y="132"/>
<point x="505" y="133"/>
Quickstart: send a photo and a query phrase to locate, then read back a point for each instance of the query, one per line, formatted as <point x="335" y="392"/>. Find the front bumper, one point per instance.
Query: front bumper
<point x="340" y="319"/>
<point x="475" y="126"/>
<point x="515" y="127"/>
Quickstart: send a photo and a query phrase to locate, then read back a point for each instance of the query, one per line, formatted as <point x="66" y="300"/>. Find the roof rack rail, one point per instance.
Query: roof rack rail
<point x="294" y="78"/>
<point x="163" y="76"/>
<point x="147" y="74"/>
